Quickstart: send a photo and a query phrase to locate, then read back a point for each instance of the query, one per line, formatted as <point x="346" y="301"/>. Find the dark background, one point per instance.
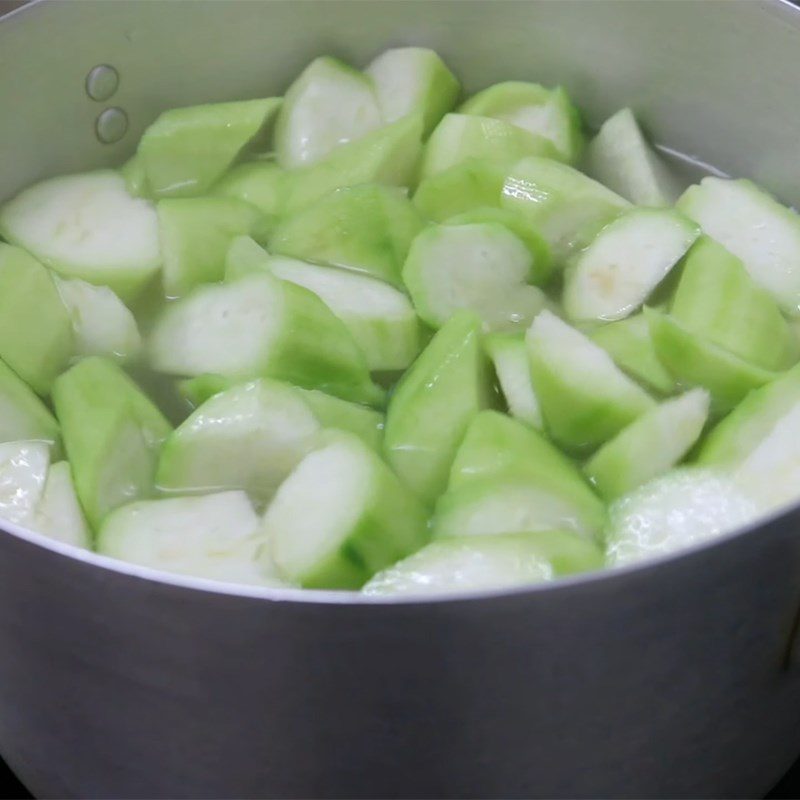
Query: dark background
<point x="789" y="787"/>
<point x="9" y="5"/>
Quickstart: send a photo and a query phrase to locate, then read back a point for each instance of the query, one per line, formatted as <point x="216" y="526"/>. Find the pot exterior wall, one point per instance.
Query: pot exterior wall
<point x="666" y="681"/>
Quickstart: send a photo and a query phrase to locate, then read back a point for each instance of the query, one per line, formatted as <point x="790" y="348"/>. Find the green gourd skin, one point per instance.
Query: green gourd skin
<point x="195" y="236"/>
<point x="433" y="404"/>
<point x="755" y="227"/>
<point x="497" y="447"/>
<point x="621" y="158"/>
<point x="292" y="336"/>
<point x="186" y="150"/>
<point x="367" y="228"/>
<point x="540" y="111"/>
<point x="365" y="519"/>
<point x="260" y="183"/>
<point x="36" y="338"/>
<point x="413" y="80"/>
<point x="585" y="398"/>
<point x="23" y="415"/>
<point x="112" y="435"/>
<point x="488" y="563"/>
<point x="630" y="345"/>
<point x="389" y="155"/>
<point x="459" y="137"/>
<point x="695" y="361"/>
<point x="740" y="432"/>
<point x="650" y="445"/>
<point x="472" y="183"/>
<point x="716" y="298"/>
<point x="566" y="207"/>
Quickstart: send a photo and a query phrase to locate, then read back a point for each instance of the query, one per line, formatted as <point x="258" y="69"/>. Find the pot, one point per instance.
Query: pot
<point x="676" y="678"/>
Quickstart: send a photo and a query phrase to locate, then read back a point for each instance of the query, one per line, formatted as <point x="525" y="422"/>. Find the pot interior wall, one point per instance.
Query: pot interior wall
<point x="679" y="65"/>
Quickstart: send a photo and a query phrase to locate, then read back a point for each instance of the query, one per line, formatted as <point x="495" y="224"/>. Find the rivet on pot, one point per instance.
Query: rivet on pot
<point x="101" y="82"/>
<point x="111" y="125"/>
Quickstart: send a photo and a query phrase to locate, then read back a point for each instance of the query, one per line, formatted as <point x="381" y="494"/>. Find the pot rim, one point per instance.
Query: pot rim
<point x="791" y="10"/>
<point x="354" y="597"/>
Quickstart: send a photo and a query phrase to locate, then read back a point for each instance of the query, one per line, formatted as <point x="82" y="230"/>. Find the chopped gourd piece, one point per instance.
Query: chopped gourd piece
<point x="23" y="416"/>
<point x="244" y="257"/>
<point x="530" y="106"/>
<point x="215" y="536"/>
<point x="413" y="79"/>
<point x="260" y="326"/>
<point x="102" y="324"/>
<point x="333" y="412"/>
<point x="260" y="183"/>
<point x="625" y="262"/>
<point x="328" y="105"/>
<point x="501" y="504"/>
<point x="23" y="473"/>
<point x="732" y="440"/>
<point x="496" y="447"/>
<point x="510" y="358"/>
<point x="650" y="445"/>
<point x="59" y="514"/>
<point x="368" y="228"/>
<point x="330" y="411"/>
<point x="135" y="177"/>
<point x="249" y="437"/>
<point x="87" y="226"/>
<point x="203" y="387"/>
<point x="387" y="155"/>
<point x="186" y="150"/>
<point x="112" y="434"/>
<point x="483" y="267"/>
<point x="36" y="338"/>
<point x="584" y="397"/>
<point x="565" y="206"/>
<point x="342" y="516"/>
<point x="459" y="137"/>
<point x="630" y="345"/>
<point x="770" y="473"/>
<point x="482" y="563"/>
<point x="621" y="158"/>
<point x="380" y="318"/>
<point x="716" y="298"/>
<point x="756" y="228"/>
<point x="195" y="236"/>
<point x="472" y="183"/>
<point x="434" y="403"/>
<point x="696" y="361"/>
<point x="683" y="508"/>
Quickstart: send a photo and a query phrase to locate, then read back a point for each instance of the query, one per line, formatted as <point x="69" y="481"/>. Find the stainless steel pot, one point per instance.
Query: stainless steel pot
<point x="674" y="679"/>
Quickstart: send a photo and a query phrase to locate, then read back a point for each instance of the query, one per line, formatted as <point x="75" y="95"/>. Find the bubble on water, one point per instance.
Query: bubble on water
<point x="676" y="511"/>
<point x="102" y="82"/>
<point x="111" y="125"/>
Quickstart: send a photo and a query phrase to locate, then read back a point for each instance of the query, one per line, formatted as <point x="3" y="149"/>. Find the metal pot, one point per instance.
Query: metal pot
<point x="673" y="679"/>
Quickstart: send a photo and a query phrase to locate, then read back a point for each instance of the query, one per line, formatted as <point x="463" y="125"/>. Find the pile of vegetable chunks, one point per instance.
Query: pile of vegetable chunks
<point x="400" y="342"/>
